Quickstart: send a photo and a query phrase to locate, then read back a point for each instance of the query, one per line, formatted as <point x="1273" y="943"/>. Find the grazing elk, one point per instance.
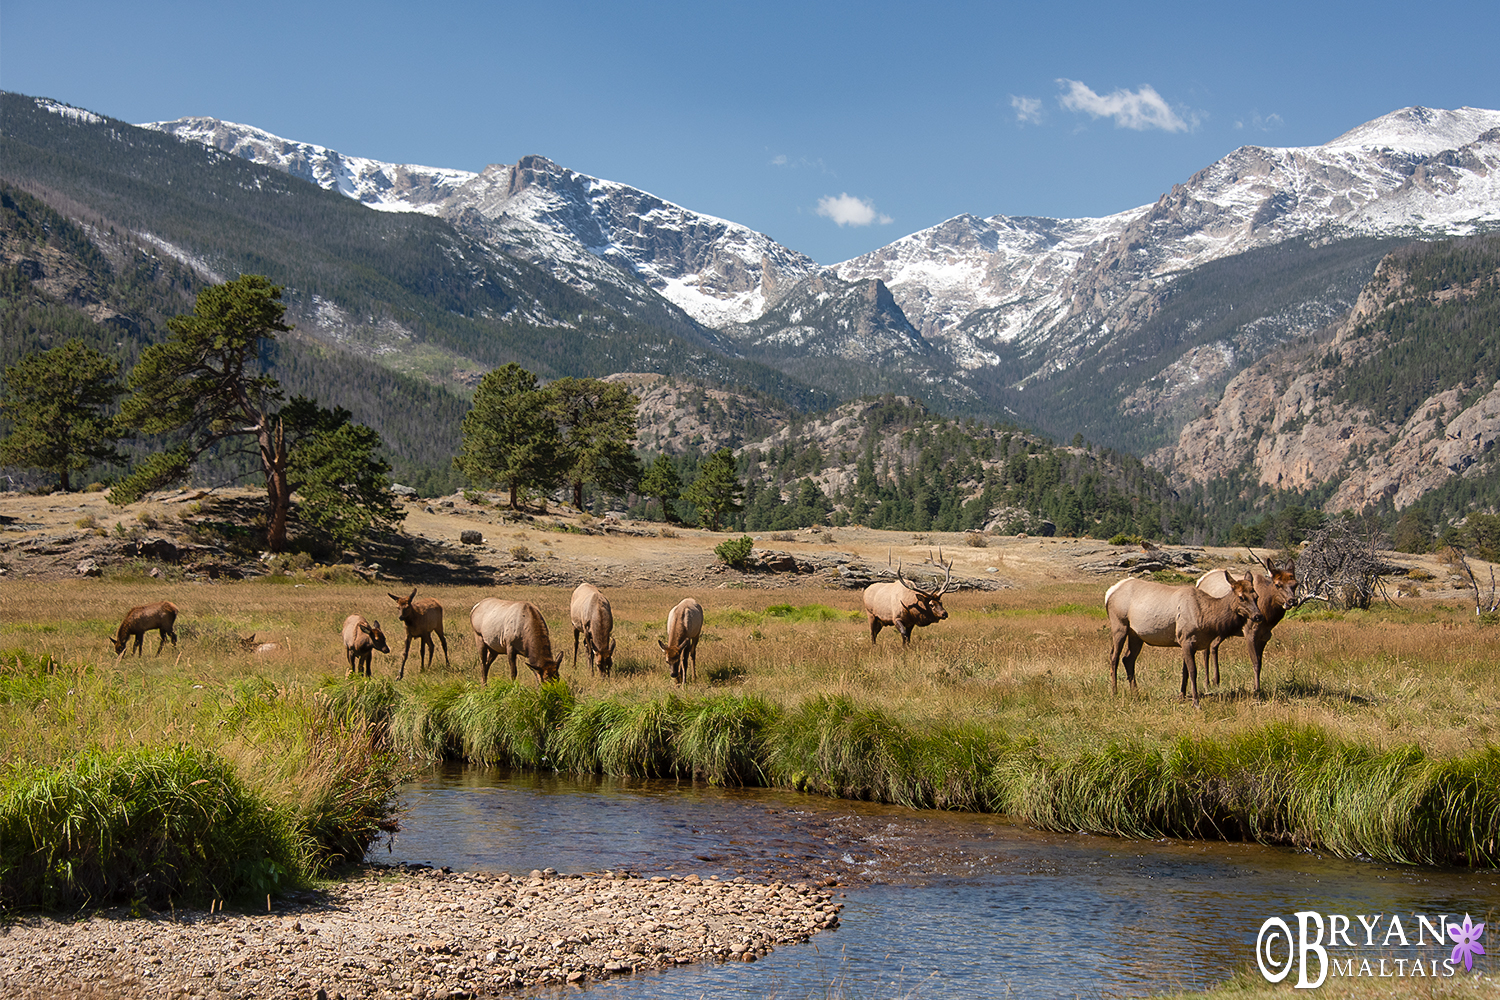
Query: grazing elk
<point x="593" y="619"/>
<point x="138" y="621"/>
<point x="421" y="618"/>
<point x="1158" y="614"/>
<point x="684" y="628"/>
<point x="904" y="605"/>
<point x="512" y="627"/>
<point x="249" y="645"/>
<point x="1274" y="594"/>
<point x="361" y="640"/>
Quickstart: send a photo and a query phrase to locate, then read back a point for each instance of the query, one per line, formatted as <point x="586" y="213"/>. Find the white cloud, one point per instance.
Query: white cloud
<point x="847" y="210"/>
<point x="1138" y="109"/>
<point x="1028" y="109"/>
<point x="1268" y="123"/>
<point x="779" y="160"/>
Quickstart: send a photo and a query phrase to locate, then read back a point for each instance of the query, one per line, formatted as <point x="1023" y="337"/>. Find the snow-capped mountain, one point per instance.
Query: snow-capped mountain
<point x="587" y="230"/>
<point x="970" y="284"/>
<point x="1115" y="312"/>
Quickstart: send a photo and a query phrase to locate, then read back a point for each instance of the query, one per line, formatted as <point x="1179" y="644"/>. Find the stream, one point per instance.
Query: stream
<point x="938" y="904"/>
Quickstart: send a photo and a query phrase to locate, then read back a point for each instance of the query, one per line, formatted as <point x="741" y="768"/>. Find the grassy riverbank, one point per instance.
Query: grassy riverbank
<point x="1377" y="735"/>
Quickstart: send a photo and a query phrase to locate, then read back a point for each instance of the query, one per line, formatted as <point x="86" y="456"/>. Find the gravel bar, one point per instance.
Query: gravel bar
<point x="413" y="932"/>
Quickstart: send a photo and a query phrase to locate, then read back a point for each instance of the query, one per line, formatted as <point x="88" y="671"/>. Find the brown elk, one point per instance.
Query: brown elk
<point x="684" y="629"/>
<point x="904" y="605"/>
<point x="138" y="621"/>
<point x="361" y="640"/>
<point x="249" y="645"/>
<point x="593" y="619"/>
<point x="1274" y="594"/>
<point x="1142" y="612"/>
<point x="512" y="627"/>
<point x="421" y="618"/>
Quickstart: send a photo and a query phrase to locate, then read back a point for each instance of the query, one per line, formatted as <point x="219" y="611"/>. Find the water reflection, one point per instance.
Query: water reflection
<point x="939" y="904"/>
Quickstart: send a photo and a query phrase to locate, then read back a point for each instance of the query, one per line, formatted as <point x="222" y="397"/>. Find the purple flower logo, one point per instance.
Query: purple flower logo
<point x="1467" y="936"/>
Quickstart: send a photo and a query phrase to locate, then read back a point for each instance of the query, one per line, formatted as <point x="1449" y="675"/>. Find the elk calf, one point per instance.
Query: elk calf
<point x="361" y="640"/>
<point x="513" y="628"/>
<point x="138" y="621"/>
<point x="593" y="619"/>
<point x="249" y="645"/>
<point x="904" y="605"/>
<point x="1157" y="614"/>
<point x="684" y="628"/>
<point x="1274" y="594"/>
<point x="421" y="618"/>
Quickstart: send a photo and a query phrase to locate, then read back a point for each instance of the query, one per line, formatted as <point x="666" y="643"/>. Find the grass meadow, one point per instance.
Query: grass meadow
<point x="1376" y="734"/>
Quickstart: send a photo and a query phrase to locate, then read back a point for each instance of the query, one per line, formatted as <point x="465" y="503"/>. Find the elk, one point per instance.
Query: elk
<point x="1274" y="594"/>
<point x="249" y="645"/>
<point x="904" y="605"/>
<point x="1158" y="614"/>
<point x="421" y="618"/>
<point x="593" y="619"/>
<point x="684" y="628"/>
<point x="138" y="621"/>
<point x="512" y="627"/>
<point x="361" y="640"/>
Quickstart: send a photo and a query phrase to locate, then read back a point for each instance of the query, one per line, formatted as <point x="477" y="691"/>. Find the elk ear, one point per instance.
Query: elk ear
<point x="611" y="647"/>
<point x="393" y="597"/>
<point x="662" y="645"/>
<point x="376" y="625"/>
<point x="412" y="596"/>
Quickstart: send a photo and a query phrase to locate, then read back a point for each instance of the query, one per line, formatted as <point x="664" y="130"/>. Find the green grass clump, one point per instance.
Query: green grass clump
<point x="148" y="825"/>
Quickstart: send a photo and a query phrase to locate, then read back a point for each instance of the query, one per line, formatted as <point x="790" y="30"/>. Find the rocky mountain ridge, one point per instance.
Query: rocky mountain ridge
<point x="1285" y="418"/>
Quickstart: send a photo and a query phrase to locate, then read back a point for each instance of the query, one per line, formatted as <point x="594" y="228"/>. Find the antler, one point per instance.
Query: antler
<point x="930" y="593"/>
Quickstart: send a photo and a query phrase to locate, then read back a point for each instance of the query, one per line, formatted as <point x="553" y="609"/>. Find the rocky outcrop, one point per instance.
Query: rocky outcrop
<point x="1281" y="419"/>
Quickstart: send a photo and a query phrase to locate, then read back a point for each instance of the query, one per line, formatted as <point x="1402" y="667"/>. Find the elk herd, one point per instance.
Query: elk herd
<point x="1195" y="618"/>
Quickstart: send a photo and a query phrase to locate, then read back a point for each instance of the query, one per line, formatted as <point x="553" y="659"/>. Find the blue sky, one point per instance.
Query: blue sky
<point x="834" y="128"/>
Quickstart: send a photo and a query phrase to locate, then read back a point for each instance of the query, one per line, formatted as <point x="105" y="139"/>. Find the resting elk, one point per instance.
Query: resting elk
<point x="684" y="629"/>
<point x="138" y="621"/>
<point x="421" y="618"/>
<point x="1158" y="614"/>
<point x="361" y="640"/>
<point x="904" y="605"/>
<point x="250" y="645"/>
<point x="1274" y="594"/>
<point x="512" y="628"/>
<point x="593" y="619"/>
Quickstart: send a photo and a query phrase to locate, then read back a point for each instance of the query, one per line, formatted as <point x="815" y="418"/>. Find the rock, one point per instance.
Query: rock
<point x="471" y="537"/>
<point x="402" y="491"/>
<point x="87" y="567"/>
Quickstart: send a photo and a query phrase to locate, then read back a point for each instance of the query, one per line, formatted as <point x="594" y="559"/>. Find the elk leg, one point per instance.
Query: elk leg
<point x="1190" y="663"/>
<point x="486" y="656"/>
<point x="444" y="640"/>
<point x="1257" y="640"/>
<point x="512" y="664"/>
<point x="1133" y="644"/>
<point x="405" y="653"/>
<point x="1213" y="650"/>
<point x="161" y="640"/>
<point x="905" y="631"/>
<point x="875" y="625"/>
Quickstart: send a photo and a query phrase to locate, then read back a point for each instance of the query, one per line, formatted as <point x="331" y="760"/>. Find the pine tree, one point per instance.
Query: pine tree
<point x="597" y="423"/>
<point x="202" y="384"/>
<point x="509" y="436"/>
<point x="57" y="400"/>
<point x="717" y="490"/>
<point x="344" y="486"/>
<point x="662" y="483"/>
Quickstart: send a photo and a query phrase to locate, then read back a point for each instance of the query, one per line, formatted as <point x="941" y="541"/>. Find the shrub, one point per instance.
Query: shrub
<point x="735" y="551"/>
<point x="521" y="553"/>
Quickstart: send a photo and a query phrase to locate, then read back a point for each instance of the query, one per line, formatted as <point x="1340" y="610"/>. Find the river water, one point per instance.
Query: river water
<point x="937" y="904"/>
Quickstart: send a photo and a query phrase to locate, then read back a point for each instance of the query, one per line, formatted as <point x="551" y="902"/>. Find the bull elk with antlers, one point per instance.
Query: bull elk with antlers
<point x="905" y="606"/>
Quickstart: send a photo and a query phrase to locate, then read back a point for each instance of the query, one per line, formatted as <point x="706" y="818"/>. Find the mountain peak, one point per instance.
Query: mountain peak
<point x="1419" y="130"/>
